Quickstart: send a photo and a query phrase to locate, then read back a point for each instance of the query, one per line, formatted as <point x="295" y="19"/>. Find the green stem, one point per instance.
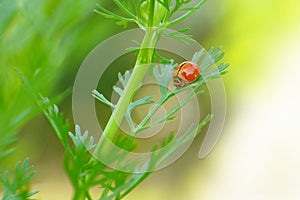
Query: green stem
<point x="107" y="188"/>
<point x="144" y="59"/>
<point x="79" y="194"/>
<point x="187" y="14"/>
<point x="151" y="13"/>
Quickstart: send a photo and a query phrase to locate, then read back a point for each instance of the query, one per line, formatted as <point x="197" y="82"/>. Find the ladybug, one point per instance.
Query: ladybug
<point x="185" y="73"/>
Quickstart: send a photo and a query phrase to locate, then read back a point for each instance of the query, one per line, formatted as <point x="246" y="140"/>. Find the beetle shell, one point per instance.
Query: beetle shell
<point x="185" y="73"/>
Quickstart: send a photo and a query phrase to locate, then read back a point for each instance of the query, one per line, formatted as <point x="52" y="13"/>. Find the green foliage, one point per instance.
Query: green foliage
<point x="62" y="23"/>
<point x="17" y="186"/>
<point x="150" y="13"/>
<point x="83" y="171"/>
<point x="163" y="75"/>
<point x="39" y="39"/>
<point x="116" y="187"/>
<point x="6" y="139"/>
<point x="212" y="57"/>
<point x="77" y="155"/>
<point x="86" y="172"/>
<point x="180" y="35"/>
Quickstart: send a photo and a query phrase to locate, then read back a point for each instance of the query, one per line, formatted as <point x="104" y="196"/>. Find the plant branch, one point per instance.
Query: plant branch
<point x="187" y="14"/>
<point x="144" y="59"/>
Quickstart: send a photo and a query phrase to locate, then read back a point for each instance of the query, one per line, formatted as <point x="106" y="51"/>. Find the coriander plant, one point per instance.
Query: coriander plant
<point x="83" y="155"/>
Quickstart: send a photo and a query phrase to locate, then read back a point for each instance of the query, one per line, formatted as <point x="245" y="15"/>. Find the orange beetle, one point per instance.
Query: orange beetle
<point x="185" y="73"/>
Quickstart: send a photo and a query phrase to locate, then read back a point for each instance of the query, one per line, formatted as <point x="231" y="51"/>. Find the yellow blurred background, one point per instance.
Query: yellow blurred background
<point x="258" y="155"/>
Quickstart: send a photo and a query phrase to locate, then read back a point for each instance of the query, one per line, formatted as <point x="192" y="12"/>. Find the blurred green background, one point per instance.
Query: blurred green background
<point x="47" y="41"/>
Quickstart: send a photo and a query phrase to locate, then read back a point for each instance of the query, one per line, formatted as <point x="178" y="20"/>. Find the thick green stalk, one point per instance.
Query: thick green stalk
<point x="79" y="194"/>
<point x="144" y="58"/>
